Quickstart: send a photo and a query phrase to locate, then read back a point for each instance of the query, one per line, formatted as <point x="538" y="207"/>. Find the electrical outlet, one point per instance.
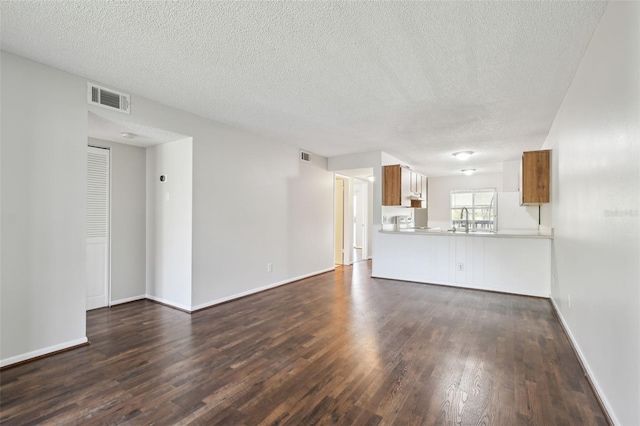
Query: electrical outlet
<point x="568" y="300"/>
<point x="269" y="267"/>
<point x="460" y="266"/>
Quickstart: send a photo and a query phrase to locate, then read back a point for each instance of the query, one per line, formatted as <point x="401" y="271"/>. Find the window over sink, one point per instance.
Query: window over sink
<point x="481" y="205"/>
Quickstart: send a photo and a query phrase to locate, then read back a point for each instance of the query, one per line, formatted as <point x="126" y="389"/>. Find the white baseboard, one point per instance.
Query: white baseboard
<point x="128" y="299"/>
<point x="41" y="352"/>
<point x="585" y="365"/>
<point x="259" y="289"/>
<point x="169" y="303"/>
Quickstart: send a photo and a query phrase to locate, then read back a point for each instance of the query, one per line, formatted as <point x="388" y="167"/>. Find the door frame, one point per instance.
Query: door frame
<point x="364" y="193"/>
<point x="347" y="212"/>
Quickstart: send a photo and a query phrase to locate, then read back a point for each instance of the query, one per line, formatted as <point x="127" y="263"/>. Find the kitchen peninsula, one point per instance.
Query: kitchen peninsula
<point x="516" y="262"/>
<point x="516" y="259"/>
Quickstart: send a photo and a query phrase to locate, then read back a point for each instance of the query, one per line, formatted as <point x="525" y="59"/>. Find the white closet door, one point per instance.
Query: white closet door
<point x="98" y="190"/>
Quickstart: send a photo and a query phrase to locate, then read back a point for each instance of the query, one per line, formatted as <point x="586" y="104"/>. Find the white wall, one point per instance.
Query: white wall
<point x="44" y="166"/>
<point x="595" y="203"/>
<point x="440" y="192"/>
<point x="256" y="203"/>
<point x="1" y="215"/>
<point x="128" y="220"/>
<point x="355" y="161"/>
<point x="511" y="176"/>
<point x="169" y="222"/>
<point x="511" y="215"/>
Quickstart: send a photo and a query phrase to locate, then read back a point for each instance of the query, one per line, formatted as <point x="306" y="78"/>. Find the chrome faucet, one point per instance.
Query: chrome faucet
<point x="466" y="223"/>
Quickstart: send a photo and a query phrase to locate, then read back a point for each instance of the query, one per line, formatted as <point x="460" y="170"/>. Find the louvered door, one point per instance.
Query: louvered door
<point x="98" y="189"/>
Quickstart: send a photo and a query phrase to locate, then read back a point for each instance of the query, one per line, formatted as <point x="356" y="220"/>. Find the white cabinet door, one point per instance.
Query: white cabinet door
<point x="98" y="259"/>
<point x="405" y="189"/>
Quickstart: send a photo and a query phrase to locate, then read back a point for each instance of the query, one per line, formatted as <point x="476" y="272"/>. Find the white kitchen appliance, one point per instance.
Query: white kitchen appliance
<point x="404" y="222"/>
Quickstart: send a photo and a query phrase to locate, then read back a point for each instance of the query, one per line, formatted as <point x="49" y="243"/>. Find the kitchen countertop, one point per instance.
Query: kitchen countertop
<point x="507" y="233"/>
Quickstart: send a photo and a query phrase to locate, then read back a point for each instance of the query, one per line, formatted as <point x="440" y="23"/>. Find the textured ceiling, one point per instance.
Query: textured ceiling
<point x="418" y="80"/>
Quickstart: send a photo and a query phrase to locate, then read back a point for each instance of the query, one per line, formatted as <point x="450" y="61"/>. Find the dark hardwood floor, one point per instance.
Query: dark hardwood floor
<point x="339" y="348"/>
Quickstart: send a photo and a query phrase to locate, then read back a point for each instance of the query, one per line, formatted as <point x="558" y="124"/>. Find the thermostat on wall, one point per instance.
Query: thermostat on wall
<point x="163" y="178"/>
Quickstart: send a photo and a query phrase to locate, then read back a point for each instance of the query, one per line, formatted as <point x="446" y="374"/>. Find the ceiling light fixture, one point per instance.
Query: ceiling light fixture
<point x="468" y="172"/>
<point x="128" y="135"/>
<point x="462" y="155"/>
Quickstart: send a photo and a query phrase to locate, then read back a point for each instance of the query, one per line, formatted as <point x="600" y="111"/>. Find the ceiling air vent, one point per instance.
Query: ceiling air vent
<point x="305" y="156"/>
<point x="107" y="98"/>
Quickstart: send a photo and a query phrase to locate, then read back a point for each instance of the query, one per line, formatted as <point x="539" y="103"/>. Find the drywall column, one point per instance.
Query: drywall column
<point x="44" y="174"/>
<point x="169" y="223"/>
<point x="595" y="203"/>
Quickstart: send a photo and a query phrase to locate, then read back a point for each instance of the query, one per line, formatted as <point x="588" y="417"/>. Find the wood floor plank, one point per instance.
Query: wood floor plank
<point x="339" y="348"/>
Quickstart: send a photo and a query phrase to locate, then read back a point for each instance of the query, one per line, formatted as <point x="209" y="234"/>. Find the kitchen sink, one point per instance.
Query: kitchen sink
<point x="448" y="231"/>
<point x="471" y="231"/>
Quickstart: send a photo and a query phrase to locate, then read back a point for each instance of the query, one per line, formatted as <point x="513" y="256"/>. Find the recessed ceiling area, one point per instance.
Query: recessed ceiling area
<point x="112" y="130"/>
<point x="419" y="80"/>
<point x="363" y="174"/>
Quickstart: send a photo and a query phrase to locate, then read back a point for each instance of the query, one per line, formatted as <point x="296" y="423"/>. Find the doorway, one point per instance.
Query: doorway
<point x="98" y="227"/>
<point x="353" y="212"/>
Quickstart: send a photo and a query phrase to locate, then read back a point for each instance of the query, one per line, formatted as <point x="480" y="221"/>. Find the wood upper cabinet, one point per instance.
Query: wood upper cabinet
<point x="400" y="184"/>
<point x="396" y="189"/>
<point x="535" y="177"/>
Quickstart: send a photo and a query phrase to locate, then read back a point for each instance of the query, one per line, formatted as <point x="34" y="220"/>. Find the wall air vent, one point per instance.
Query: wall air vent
<point x="107" y="98"/>
<point x="305" y="156"/>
